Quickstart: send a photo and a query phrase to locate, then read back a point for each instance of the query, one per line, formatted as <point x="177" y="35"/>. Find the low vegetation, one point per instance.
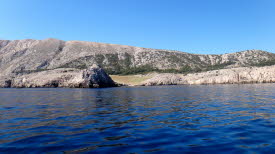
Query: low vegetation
<point x="218" y="66"/>
<point x="265" y="63"/>
<point x="146" y="69"/>
<point x="22" y="71"/>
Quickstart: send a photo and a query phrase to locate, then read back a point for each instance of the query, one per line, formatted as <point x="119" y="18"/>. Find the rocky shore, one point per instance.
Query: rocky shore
<point x="224" y="76"/>
<point x="94" y="77"/>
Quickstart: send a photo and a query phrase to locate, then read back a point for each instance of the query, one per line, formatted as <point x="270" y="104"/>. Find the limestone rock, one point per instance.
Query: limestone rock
<point x="93" y="77"/>
<point x="224" y="76"/>
<point x="164" y="79"/>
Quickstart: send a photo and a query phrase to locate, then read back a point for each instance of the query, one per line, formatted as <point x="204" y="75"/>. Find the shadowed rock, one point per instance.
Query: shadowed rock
<point x="7" y="84"/>
<point x="95" y="77"/>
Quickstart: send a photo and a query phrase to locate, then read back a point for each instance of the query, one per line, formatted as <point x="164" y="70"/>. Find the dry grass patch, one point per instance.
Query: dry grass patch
<point x="131" y="80"/>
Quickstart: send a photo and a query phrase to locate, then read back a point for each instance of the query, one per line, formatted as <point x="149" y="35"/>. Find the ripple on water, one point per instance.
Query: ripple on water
<point x="216" y="118"/>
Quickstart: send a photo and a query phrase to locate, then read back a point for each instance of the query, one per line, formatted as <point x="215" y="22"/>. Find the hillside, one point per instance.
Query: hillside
<point x="27" y="56"/>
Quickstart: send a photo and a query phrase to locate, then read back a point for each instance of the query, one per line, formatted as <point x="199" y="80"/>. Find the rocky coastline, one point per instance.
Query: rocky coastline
<point x="94" y="77"/>
<point x="240" y="75"/>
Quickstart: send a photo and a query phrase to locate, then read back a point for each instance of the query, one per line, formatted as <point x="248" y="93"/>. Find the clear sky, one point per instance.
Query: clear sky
<point x="196" y="26"/>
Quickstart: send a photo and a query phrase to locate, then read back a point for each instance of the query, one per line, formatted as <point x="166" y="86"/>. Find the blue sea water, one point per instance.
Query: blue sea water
<point x="160" y="119"/>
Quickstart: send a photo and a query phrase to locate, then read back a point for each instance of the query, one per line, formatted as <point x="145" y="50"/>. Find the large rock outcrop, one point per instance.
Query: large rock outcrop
<point x="94" y="77"/>
<point x="224" y="76"/>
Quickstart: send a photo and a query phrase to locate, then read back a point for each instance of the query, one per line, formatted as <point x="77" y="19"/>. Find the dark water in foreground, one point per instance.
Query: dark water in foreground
<point x="164" y="119"/>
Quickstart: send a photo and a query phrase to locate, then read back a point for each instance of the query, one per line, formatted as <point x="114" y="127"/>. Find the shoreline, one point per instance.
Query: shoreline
<point x="95" y="77"/>
<point x="136" y="86"/>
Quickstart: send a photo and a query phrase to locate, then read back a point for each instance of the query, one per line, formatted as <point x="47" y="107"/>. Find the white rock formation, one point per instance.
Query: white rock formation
<point x="93" y="77"/>
<point x="224" y="76"/>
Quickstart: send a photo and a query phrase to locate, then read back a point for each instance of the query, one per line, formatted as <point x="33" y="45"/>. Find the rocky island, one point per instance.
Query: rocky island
<point x="78" y="64"/>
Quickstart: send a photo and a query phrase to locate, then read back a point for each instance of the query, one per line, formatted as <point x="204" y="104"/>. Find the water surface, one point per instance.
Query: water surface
<point x="162" y="119"/>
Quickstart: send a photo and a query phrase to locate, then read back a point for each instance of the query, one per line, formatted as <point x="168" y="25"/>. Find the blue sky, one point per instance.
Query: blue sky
<point x="196" y="26"/>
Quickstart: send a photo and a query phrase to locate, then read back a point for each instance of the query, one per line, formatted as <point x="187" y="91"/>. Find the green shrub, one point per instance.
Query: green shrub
<point x="265" y="63"/>
<point x="146" y="69"/>
<point x="218" y="66"/>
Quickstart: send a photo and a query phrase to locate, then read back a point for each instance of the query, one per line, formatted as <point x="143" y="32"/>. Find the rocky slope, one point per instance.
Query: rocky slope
<point x="223" y="76"/>
<point x="20" y="57"/>
<point x="94" y="77"/>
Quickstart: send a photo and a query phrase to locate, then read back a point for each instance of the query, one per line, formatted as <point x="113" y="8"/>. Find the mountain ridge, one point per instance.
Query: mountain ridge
<point x="171" y="50"/>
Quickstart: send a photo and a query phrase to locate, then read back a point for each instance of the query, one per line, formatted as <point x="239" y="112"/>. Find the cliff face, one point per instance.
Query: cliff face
<point x="224" y="76"/>
<point x="94" y="77"/>
<point x="27" y="56"/>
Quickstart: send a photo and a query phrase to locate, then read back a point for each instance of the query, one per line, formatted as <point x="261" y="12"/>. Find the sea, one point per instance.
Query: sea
<point x="158" y="119"/>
